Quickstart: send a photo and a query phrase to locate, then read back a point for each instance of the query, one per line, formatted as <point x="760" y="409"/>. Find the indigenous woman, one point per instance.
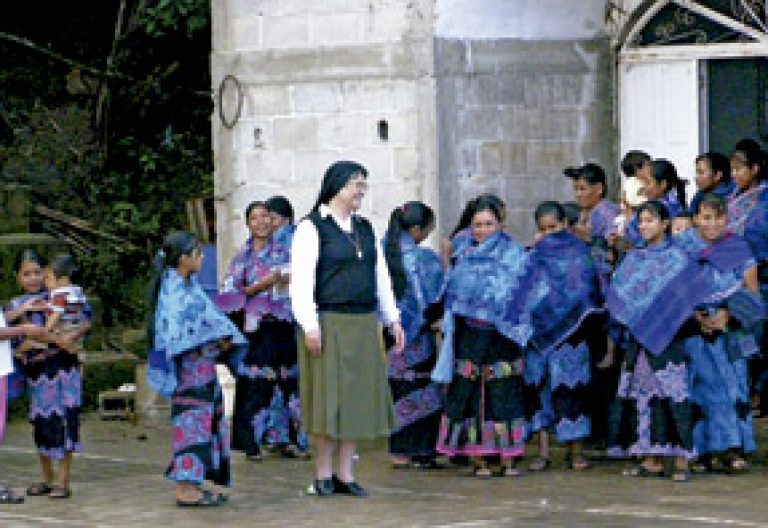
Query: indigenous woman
<point x="748" y="216"/>
<point x="719" y="353"/>
<point x="481" y="356"/>
<point x="54" y="381"/>
<point x="661" y="184"/>
<point x="713" y="175"/>
<point x="266" y="407"/>
<point x="597" y="227"/>
<point x="653" y="293"/>
<point x="188" y="336"/>
<point x="557" y="365"/>
<point x="338" y="280"/>
<point x="417" y="276"/>
<point x="597" y="213"/>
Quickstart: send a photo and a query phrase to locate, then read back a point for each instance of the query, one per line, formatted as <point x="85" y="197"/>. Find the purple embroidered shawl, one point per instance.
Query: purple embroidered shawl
<point x="601" y="218"/>
<point x="562" y="263"/>
<point x="249" y="267"/>
<point x="654" y="291"/>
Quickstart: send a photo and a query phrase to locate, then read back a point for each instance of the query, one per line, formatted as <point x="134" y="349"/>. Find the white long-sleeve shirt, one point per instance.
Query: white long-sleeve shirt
<point x="305" y="252"/>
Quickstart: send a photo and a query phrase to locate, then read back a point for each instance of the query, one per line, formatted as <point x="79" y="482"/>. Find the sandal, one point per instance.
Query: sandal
<point x="483" y="472"/>
<point x="681" y="475"/>
<point x="511" y="472"/>
<point x="736" y="465"/>
<point x="642" y="472"/>
<point x="580" y="463"/>
<point x="39" y="489"/>
<point x="207" y="499"/>
<point x="540" y="464"/>
<point x="428" y="464"/>
<point x="254" y="457"/>
<point x="7" y="496"/>
<point x="59" y="492"/>
<point x="401" y="464"/>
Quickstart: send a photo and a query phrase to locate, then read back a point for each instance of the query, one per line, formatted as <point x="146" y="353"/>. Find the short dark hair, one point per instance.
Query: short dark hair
<point x="253" y="205"/>
<point x="633" y="160"/>
<point x="547" y="208"/>
<point x="282" y="206"/>
<point x="718" y="162"/>
<point x="591" y="173"/>
<point x="64" y="265"/>
<point x="713" y="201"/>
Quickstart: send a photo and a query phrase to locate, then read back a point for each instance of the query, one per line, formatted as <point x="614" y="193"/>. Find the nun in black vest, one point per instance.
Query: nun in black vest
<point x="339" y="280"/>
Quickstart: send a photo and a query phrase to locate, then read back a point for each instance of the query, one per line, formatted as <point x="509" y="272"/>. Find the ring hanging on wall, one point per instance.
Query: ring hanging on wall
<point x="230" y="101"/>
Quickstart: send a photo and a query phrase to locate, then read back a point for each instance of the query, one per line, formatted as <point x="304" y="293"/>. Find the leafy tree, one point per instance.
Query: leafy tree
<point x="105" y="112"/>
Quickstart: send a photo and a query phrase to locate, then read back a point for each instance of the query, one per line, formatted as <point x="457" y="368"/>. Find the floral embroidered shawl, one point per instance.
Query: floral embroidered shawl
<point x="185" y="319"/>
<point x="249" y="267"/>
<point x="654" y="291"/>
<point x="424" y="273"/>
<point x="562" y="263"/>
<point x="485" y="284"/>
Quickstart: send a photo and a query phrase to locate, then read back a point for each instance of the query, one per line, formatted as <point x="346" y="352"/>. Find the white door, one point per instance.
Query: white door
<point x="659" y="112"/>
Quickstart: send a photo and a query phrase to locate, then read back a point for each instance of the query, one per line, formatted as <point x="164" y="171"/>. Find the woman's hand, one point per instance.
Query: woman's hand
<point x="399" y="335"/>
<point x="264" y="284"/>
<point x="314" y="343"/>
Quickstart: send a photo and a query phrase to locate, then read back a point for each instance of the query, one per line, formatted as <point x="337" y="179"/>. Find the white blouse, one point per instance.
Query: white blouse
<point x="305" y="252"/>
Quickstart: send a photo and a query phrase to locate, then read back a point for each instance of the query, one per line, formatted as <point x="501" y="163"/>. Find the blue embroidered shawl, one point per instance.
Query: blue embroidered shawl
<point x="485" y="284"/>
<point x="723" y="189"/>
<point x="562" y="262"/>
<point x="654" y="291"/>
<point x="602" y="217"/>
<point x="424" y="273"/>
<point x="185" y="319"/>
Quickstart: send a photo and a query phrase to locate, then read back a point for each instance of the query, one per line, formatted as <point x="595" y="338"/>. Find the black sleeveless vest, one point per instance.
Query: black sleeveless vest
<point x="345" y="283"/>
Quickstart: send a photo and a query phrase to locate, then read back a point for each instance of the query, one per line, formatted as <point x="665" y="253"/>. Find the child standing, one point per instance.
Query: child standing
<point x="557" y="364"/>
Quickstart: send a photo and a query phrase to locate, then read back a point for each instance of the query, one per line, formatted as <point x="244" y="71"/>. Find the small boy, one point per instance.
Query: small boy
<point x="67" y="303"/>
<point x="682" y="222"/>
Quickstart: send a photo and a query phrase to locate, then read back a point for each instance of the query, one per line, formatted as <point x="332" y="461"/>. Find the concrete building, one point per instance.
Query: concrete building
<point x="444" y="99"/>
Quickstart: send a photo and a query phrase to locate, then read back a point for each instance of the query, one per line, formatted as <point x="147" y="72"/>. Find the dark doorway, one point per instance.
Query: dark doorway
<point x="736" y="107"/>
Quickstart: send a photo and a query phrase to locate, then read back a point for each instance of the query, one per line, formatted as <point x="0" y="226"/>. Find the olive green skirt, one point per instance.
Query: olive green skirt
<point x="345" y="393"/>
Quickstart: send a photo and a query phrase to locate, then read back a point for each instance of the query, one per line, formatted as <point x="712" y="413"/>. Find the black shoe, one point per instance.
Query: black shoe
<point x="324" y="487"/>
<point x="348" y="488"/>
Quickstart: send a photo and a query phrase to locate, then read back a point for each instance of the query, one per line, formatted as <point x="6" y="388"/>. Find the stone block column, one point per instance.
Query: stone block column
<point x="323" y="81"/>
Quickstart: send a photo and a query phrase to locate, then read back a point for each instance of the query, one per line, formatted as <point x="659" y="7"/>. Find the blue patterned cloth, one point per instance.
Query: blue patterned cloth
<point x="425" y="276"/>
<point x="185" y="320"/>
<point x="560" y="264"/>
<point x="485" y="284"/>
<point x="723" y="189"/>
<point x="654" y="291"/>
<point x="284" y="235"/>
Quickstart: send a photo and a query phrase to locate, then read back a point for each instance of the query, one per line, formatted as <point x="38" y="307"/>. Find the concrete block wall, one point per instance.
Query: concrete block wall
<point x="318" y="78"/>
<point x="512" y="114"/>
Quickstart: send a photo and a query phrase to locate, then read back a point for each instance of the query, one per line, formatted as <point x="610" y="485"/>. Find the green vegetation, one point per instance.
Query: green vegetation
<point x="105" y="113"/>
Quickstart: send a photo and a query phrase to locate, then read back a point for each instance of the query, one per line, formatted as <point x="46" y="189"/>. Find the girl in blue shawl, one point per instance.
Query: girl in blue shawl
<point x="653" y="293"/>
<point x="557" y="365"/>
<point x="417" y="276"/>
<point x="188" y="336"/>
<point x="748" y="216"/>
<point x="660" y="183"/>
<point x="719" y="354"/>
<point x="481" y="356"/>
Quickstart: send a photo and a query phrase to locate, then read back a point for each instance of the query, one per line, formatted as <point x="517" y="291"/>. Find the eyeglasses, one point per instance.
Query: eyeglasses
<point x="358" y="185"/>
